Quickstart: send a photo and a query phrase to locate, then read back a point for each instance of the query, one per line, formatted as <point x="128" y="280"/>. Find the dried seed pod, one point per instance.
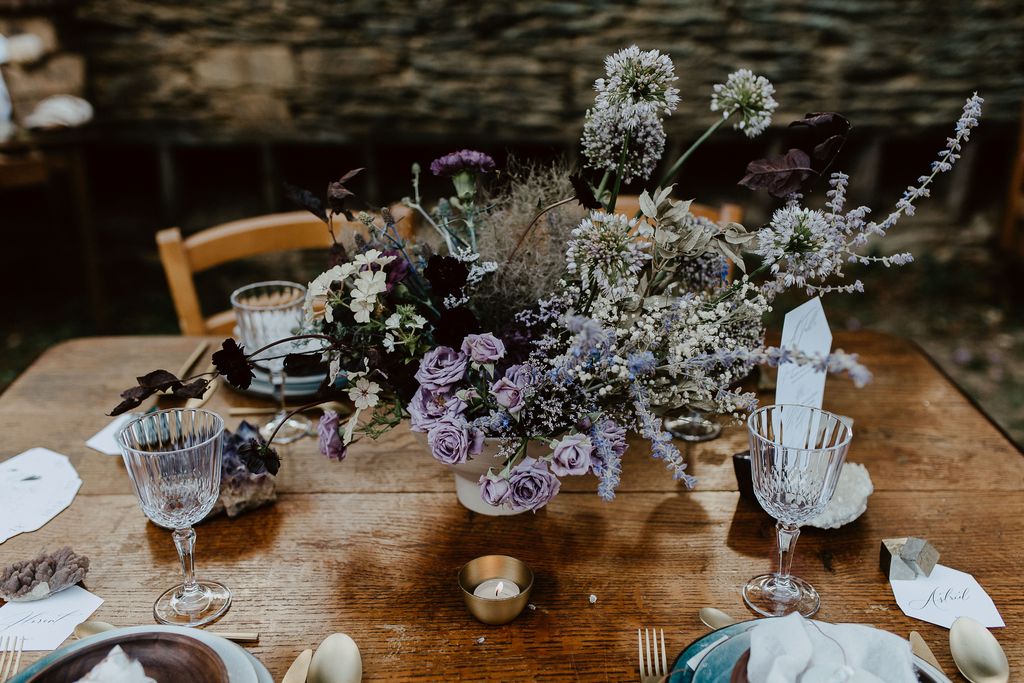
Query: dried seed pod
<point x="42" y="577"/>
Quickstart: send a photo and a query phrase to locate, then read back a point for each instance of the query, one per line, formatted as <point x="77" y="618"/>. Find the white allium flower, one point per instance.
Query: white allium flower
<point x="603" y="134"/>
<point x="364" y="394"/>
<point x="750" y="97"/>
<point x="804" y="241"/>
<point x="639" y="85"/>
<point x="604" y="253"/>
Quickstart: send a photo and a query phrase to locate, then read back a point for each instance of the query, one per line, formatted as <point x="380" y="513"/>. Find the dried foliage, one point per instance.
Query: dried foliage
<point x="534" y="272"/>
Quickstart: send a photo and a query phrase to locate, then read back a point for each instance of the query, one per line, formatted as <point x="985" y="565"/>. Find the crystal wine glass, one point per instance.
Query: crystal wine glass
<point x="797" y="453"/>
<point x="267" y="312"/>
<point x="173" y="458"/>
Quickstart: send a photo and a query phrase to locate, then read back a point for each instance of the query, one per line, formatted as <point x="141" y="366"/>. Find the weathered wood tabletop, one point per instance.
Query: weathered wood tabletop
<point x="371" y="546"/>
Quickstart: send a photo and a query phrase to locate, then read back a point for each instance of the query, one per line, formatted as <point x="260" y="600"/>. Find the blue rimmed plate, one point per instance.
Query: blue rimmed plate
<point x="719" y="651"/>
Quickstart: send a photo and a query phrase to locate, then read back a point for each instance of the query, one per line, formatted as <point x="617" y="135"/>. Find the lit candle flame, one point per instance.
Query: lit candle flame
<point x="497" y="589"/>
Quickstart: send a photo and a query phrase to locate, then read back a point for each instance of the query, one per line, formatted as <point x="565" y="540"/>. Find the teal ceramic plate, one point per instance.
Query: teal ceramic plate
<point x="721" y="656"/>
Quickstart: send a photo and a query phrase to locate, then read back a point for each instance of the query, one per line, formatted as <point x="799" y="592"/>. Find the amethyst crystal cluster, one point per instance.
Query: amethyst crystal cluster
<point x="240" y="489"/>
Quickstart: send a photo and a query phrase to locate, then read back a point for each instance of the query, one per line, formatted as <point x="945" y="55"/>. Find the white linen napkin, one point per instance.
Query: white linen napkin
<point x="792" y="649"/>
<point x="117" y="667"/>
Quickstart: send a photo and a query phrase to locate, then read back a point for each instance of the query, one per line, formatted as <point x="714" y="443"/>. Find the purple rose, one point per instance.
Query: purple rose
<point x="331" y="444"/>
<point x="452" y="440"/>
<point x="531" y="485"/>
<point x="483" y="348"/>
<point x="494" y="490"/>
<point x="508" y="395"/>
<point x="571" y="455"/>
<point x="427" y="406"/>
<point x="441" y="368"/>
<point x="522" y="375"/>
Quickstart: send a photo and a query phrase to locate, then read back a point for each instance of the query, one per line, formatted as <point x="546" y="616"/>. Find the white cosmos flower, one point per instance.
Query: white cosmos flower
<point x="393" y="322"/>
<point x="371" y="283"/>
<point x="389" y="342"/>
<point x="417" y="322"/>
<point x="371" y="257"/>
<point x="364" y="394"/>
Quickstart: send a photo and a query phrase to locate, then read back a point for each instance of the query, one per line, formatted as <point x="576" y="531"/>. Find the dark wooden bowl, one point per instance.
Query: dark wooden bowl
<point x="739" y="672"/>
<point x="166" y="657"/>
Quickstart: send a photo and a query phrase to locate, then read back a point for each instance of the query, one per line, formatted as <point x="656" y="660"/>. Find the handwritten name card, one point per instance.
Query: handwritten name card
<point x="45" y="624"/>
<point x="945" y="595"/>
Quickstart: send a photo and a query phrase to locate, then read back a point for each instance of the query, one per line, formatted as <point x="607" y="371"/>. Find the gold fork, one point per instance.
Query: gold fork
<point x="652" y="669"/>
<point x="10" y="656"/>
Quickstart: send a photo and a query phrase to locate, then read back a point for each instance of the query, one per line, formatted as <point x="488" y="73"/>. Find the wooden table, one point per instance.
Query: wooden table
<point x="371" y="546"/>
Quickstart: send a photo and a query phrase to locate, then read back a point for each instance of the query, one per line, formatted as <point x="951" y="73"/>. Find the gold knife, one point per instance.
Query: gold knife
<point x="921" y="649"/>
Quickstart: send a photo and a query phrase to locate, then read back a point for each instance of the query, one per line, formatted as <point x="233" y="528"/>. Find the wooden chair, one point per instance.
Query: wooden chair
<point x="726" y="213"/>
<point x="183" y="257"/>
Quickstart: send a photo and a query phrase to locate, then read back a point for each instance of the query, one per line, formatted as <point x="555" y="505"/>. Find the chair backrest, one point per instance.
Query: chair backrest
<point x="726" y="213"/>
<point x="183" y="257"/>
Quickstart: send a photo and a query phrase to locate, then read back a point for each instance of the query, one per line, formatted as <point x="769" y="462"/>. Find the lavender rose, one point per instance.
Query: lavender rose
<point x="483" y="348"/>
<point x="571" y="455"/>
<point x="427" y="406"/>
<point x="494" y="490"/>
<point x="522" y="375"/>
<point x="441" y="368"/>
<point x="531" y="485"/>
<point x="452" y="440"/>
<point x="331" y="443"/>
<point x="508" y="395"/>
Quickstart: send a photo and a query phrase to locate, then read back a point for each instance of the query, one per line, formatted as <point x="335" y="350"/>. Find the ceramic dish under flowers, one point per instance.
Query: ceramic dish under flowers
<point x="723" y="649"/>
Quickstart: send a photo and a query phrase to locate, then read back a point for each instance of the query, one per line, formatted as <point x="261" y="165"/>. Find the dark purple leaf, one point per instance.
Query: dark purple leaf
<point x="337" y="193"/>
<point x="584" y="193"/>
<point x="821" y="135"/>
<point x="781" y="175"/>
<point x="307" y="200"/>
<point x="193" y="389"/>
<point x="304" y="364"/>
<point x="231" y="362"/>
<point x="158" y="380"/>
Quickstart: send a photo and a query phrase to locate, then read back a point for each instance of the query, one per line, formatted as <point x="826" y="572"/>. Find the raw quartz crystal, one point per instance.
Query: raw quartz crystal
<point x="850" y="499"/>
<point x="42" y="577"/>
<point x="240" y="489"/>
<point x="117" y="666"/>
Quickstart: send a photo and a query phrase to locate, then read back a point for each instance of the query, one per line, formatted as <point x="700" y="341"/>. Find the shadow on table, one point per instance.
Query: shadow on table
<point x="219" y="536"/>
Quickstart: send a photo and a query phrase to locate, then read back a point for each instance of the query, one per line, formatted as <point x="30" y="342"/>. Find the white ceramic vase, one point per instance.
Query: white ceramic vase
<point x="467" y="476"/>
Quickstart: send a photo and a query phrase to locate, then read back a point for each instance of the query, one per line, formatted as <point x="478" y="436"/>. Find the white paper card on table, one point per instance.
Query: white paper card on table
<point x="105" y="440"/>
<point x="806" y="330"/>
<point x="37" y="485"/>
<point x="45" y="624"/>
<point x="945" y="595"/>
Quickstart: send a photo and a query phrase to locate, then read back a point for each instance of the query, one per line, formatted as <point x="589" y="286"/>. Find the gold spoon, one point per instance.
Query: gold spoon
<point x="715" y="619"/>
<point x="921" y="649"/>
<point x="92" y="627"/>
<point x="977" y="653"/>
<point x="299" y="669"/>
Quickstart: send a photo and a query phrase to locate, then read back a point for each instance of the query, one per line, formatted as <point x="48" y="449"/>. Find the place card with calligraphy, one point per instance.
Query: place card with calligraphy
<point x="805" y="329"/>
<point x="45" y="624"/>
<point x="945" y="595"/>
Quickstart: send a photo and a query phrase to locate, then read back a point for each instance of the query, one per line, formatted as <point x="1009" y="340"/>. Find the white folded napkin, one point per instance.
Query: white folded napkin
<point x="117" y="667"/>
<point x="792" y="649"/>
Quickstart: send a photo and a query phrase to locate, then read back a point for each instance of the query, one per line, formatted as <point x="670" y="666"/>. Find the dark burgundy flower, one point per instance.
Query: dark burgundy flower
<point x="397" y="270"/>
<point x="231" y="362"/>
<point x="256" y="455"/>
<point x="453" y="326"/>
<point x="447" y="276"/>
<point x="584" y="193"/>
<point x="463" y="160"/>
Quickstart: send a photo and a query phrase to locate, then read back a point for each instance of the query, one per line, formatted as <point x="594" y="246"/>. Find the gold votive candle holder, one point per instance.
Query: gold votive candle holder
<point x="499" y="610"/>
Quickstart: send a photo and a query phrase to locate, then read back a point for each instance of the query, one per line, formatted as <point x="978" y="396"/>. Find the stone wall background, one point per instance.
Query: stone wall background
<point x="516" y="71"/>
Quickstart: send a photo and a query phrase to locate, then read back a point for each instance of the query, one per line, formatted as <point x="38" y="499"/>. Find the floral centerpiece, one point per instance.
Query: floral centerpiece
<point x="534" y="341"/>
